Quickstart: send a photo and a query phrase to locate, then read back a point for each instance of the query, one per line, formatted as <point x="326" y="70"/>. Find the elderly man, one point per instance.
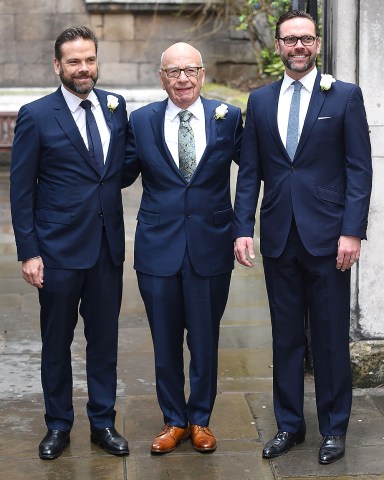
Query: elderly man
<point x="183" y="147"/>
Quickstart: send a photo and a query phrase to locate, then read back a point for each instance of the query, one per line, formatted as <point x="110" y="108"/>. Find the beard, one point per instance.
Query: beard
<point x="74" y="86"/>
<point x="289" y="64"/>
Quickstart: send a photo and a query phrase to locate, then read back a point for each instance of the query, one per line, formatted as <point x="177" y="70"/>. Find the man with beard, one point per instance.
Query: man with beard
<point x="307" y="138"/>
<point x="66" y="179"/>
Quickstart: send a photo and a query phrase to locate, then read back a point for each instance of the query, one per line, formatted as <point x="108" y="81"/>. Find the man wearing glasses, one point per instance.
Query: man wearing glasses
<point x="183" y="147"/>
<point x="307" y="138"/>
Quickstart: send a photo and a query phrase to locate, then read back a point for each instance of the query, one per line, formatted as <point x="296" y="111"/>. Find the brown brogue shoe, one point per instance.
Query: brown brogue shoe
<point x="203" y="439"/>
<point x="168" y="439"/>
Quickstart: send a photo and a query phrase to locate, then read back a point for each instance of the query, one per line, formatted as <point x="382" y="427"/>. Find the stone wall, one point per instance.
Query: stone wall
<point x="357" y="32"/>
<point x="130" y="42"/>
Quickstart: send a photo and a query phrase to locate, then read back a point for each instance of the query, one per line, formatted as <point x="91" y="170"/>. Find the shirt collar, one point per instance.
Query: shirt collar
<point x="73" y="101"/>
<point x="196" y="109"/>
<point x="308" y="81"/>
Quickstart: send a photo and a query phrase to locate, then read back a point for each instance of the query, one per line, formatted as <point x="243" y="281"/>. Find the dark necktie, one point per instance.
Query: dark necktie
<point x="293" y="120"/>
<point x="94" y="141"/>
<point x="187" y="151"/>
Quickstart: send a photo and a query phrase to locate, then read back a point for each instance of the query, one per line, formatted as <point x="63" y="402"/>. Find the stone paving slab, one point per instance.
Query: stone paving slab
<point x="242" y="419"/>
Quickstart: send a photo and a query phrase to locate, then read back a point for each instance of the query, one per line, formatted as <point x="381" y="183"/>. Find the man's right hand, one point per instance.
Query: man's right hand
<point x="244" y="245"/>
<point x="33" y="271"/>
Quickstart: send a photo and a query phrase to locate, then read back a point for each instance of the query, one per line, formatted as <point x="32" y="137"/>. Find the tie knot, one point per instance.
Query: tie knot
<point x="86" y="104"/>
<point x="185" y="116"/>
<point x="297" y="86"/>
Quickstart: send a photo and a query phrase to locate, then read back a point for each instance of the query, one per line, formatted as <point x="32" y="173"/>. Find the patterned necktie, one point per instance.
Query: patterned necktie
<point x="187" y="151"/>
<point x="293" y="120"/>
<point x="94" y="141"/>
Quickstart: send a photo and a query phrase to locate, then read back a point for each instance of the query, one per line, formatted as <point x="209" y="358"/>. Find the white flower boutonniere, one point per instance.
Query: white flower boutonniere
<point x="221" y="111"/>
<point x="112" y="102"/>
<point x="326" y="81"/>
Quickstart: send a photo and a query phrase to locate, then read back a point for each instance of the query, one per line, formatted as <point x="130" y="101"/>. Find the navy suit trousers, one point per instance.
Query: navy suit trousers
<point x="296" y="281"/>
<point x="195" y="304"/>
<point x="98" y="291"/>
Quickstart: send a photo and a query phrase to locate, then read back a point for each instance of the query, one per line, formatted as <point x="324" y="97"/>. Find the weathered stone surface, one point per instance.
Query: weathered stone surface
<point x="367" y="359"/>
<point x="119" y="27"/>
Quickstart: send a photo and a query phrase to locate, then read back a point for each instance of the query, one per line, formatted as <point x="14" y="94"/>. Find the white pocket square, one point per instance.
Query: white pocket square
<point x="323" y="118"/>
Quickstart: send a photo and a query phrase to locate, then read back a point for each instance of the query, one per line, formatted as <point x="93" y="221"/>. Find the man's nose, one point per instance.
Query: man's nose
<point x="84" y="66"/>
<point x="183" y="77"/>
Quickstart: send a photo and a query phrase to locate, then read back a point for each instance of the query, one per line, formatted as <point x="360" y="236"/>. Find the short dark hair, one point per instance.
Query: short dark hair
<point x="293" y="14"/>
<point x="71" y="34"/>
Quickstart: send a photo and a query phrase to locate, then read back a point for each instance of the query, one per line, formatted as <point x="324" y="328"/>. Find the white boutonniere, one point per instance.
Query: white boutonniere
<point x="326" y="81"/>
<point x="221" y="111"/>
<point x="112" y="102"/>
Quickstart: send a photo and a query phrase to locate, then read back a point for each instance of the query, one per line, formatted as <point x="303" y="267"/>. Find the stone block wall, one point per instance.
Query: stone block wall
<point x="130" y="43"/>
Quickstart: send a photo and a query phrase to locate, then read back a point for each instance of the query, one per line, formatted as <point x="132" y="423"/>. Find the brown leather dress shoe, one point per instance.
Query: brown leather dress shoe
<point x="168" y="439"/>
<point x="203" y="439"/>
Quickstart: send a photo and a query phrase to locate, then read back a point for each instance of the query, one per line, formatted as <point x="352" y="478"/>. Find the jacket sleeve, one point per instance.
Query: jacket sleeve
<point x="358" y="162"/>
<point x="248" y="179"/>
<point x="24" y="184"/>
<point x="131" y="169"/>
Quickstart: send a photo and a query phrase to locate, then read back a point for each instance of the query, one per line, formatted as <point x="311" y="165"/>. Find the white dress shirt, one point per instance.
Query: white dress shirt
<point x="171" y="128"/>
<point x="78" y="113"/>
<point x="286" y="92"/>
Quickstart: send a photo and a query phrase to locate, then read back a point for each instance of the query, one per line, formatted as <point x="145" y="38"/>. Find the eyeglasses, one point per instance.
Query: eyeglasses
<point x="176" y="72"/>
<point x="291" y="40"/>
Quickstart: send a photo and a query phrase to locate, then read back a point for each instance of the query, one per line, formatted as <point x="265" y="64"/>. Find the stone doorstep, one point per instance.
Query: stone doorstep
<point x="11" y="99"/>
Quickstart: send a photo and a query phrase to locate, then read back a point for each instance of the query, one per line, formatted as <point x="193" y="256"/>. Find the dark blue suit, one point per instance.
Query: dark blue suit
<point x="184" y="254"/>
<point x="70" y="214"/>
<point x="307" y="205"/>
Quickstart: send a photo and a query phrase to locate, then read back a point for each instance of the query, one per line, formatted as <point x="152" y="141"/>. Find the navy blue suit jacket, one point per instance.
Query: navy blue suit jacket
<point x="174" y="215"/>
<point x="59" y="200"/>
<point x="326" y="187"/>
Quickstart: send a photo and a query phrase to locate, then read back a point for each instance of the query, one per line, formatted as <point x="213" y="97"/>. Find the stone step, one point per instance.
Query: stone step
<point x="11" y="99"/>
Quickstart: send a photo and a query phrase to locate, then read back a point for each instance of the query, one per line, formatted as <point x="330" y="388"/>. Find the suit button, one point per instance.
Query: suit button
<point x="188" y="214"/>
<point x="100" y="214"/>
<point x="293" y="169"/>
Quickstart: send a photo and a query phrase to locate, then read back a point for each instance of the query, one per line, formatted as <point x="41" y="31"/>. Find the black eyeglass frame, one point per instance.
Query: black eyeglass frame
<point x="305" y="44"/>
<point x="175" y="69"/>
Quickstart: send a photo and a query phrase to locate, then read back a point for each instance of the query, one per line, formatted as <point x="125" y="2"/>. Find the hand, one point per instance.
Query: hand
<point x="242" y="246"/>
<point x="33" y="271"/>
<point x="348" y="252"/>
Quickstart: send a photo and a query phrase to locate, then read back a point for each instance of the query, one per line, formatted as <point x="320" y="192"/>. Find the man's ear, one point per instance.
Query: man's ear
<point x="161" y="79"/>
<point x="277" y="46"/>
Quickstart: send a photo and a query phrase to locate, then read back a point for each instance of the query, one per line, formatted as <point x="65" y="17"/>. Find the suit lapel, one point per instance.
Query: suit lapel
<point x="157" y="122"/>
<point x="315" y="104"/>
<point x="272" y="103"/>
<point x="109" y="119"/>
<point x="211" y="126"/>
<point x="67" y="123"/>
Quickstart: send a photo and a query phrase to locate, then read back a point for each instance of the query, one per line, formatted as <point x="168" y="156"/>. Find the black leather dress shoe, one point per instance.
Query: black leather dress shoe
<point x="110" y="441"/>
<point x="281" y="443"/>
<point x="332" y="448"/>
<point x="53" y="444"/>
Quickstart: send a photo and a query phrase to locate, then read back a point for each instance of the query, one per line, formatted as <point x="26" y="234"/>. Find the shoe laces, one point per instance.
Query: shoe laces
<point x="333" y="437"/>
<point x="199" y="428"/>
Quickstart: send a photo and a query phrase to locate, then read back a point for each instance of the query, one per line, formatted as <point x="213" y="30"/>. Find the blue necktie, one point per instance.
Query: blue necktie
<point x="94" y="141"/>
<point x="187" y="151"/>
<point x="293" y="121"/>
